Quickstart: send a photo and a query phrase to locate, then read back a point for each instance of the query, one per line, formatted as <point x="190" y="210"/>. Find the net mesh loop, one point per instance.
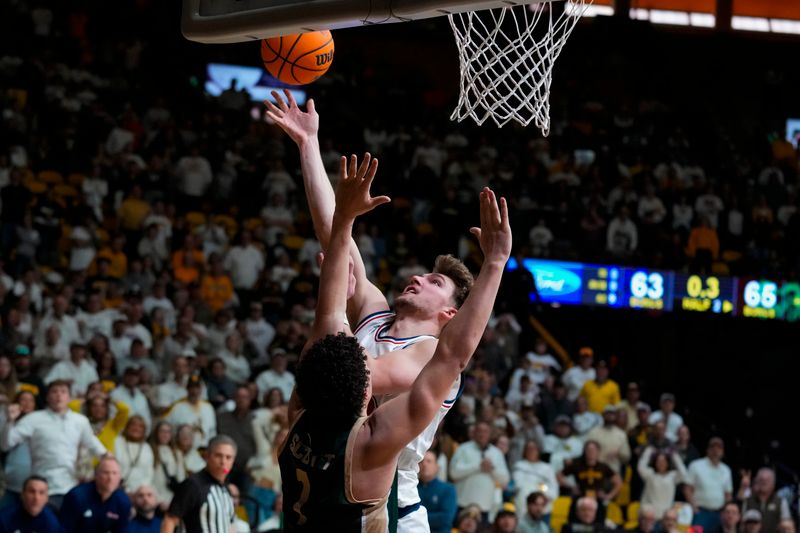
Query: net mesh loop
<point x="506" y="58"/>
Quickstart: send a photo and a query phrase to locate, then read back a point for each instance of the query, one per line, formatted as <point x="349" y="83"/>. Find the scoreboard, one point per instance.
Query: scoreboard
<point x="572" y="283"/>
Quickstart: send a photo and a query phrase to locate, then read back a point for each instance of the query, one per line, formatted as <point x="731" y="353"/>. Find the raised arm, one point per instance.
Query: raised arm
<point x="398" y="421"/>
<point x="302" y="127"/>
<point x="352" y="199"/>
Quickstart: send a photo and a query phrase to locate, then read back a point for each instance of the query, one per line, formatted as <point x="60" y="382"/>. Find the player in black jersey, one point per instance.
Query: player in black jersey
<point x="337" y="464"/>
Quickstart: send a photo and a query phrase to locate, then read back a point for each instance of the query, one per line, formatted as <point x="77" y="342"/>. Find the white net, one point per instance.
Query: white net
<point x="506" y="57"/>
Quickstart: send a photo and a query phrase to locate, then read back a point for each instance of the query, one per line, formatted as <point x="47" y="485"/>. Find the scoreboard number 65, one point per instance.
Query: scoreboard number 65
<point x="761" y="294"/>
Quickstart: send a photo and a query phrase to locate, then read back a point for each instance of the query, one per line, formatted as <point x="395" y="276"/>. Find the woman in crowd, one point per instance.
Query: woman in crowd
<point x="136" y="460"/>
<point x="189" y="458"/>
<point x="531" y="474"/>
<point x="97" y="409"/>
<point x="168" y="470"/>
<point x="661" y="475"/>
<point x="8" y="380"/>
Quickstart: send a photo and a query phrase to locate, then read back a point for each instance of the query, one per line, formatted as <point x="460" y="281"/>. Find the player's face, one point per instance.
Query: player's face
<point x="431" y="293"/>
<point x="34" y="497"/>
<point x="220" y="460"/>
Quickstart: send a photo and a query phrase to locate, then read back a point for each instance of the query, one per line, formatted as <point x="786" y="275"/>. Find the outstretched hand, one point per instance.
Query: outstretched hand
<point x="352" y="193"/>
<point x="495" y="232"/>
<point x="298" y="124"/>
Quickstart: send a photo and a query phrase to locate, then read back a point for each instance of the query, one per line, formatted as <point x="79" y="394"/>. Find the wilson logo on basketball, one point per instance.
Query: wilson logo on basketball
<point x="323" y="59"/>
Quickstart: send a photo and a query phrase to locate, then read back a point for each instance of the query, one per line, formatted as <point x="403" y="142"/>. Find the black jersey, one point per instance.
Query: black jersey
<point x="315" y="462"/>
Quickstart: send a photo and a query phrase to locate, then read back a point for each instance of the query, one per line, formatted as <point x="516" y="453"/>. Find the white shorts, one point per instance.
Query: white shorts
<point x="415" y="522"/>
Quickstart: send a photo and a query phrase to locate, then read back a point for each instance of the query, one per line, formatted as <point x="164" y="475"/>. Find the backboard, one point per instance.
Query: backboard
<point x="233" y="21"/>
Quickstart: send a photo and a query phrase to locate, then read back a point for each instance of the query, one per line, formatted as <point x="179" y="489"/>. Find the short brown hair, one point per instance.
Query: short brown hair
<point x="453" y="268"/>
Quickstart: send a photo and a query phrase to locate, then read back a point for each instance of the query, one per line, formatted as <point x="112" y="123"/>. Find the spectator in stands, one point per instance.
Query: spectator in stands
<point x="684" y="446"/>
<point x="54" y="436"/>
<point x="703" y="247"/>
<point x="600" y="391"/>
<point x="239" y="525"/>
<point x="238" y="425"/>
<point x="729" y="518"/>
<point x="187" y="449"/>
<point x="135" y="456"/>
<point x="145" y="503"/>
<point x="437" y="497"/>
<point x="669" y="521"/>
<point x="630" y="404"/>
<point x="67" y="326"/>
<point x="667" y="413"/>
<point x="244" y="261"/>
<point x="751" y="521"/>
<point x="593" y="479"/>
<point x="661" y="475"/>
<point x="575" y="377"/>
<point x="195" y="175"/>
<point x="505" y="522"/>
<point x="532" y="517"/>
<point x="194" y="412"/>
<point x="237" y="367"/>
<point x="97" y="408"/>
<point x="258" y="331"/>
<point x="168" y="469"/>
<point x="709" y="205"/>
<point x="586" y="518"/>
<point x="216" y="287"/>
<point x="277" y="375"/>
<point x="622" y="237"/>
<point x="181" y="342"/>
<point x="532" y="475"/>
<point x="477" y="467"/>
<point x="128" y="392"/>
<point x="17" y="462"/>
<point x="709" y="485"/>
<point x="468" y="520"/>
<point x="646" y="519"/>
<point x="30" y="512"/>
<point x="762" y="497"/>
<point x="584" y="420"/>
<point x="76" y="370"/>
<point x="562" y="445"/>
<point x="219" y="387"/>
<point x="614" y="448"/>
<point x="524" y="397"/>
<point x="154" y="245"/>
<point x="99" y="505"/>
<point x="658" y="436"/>
<point x="174" y="388"/>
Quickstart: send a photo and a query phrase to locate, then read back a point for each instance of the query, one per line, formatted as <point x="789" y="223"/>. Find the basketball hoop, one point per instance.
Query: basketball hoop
<point x="506" y="57"/>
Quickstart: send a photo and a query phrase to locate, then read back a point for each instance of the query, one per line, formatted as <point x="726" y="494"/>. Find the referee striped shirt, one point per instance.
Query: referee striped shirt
<point x="203" y="504"/>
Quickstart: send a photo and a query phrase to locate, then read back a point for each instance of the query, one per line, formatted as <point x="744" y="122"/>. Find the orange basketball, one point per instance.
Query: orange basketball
<point x="298" y="59"/>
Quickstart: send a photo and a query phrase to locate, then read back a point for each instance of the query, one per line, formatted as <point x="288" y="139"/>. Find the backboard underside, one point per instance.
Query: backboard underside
<point x="233" y="21"/>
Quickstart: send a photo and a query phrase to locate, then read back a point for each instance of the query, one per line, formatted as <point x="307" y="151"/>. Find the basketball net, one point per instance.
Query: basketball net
<point x="506" y="57"/>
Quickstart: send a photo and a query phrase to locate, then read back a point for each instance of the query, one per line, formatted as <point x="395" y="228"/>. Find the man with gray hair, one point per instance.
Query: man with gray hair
<point x="762" y="497"/>
<point x="99" y="505"/>
<point x="586" y="518"/>
<point x="203" y="502"/>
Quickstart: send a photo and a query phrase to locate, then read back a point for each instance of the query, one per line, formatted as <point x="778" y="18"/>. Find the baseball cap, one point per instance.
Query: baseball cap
<point x="563" y="419"/>
<point x="194" y="381"/>
<point x="752" y="515"/>
<point x="641" y="406"/>
<point x="667" y="397"/>
<point x="586" y="351"/>
<point x="610" y="408"/>
<point x="188" y="352"/>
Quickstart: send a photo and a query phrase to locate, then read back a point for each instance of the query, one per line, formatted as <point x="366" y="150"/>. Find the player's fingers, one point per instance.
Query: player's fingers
<point x="504" y="212"/>
<point x="373" y="168"/>
<point x="310" y="106"/>
<point x="362" y="168"/>
<point x="279" y="101"/>
<point x="290" y="98"/>
<point x="484" y="209"/>
<point x="494" y="213"/>
<point x="342" y="169"/>
<point x="476" y="232"/>
<point x="320" y="259"/>
<point x="353" y="166"/>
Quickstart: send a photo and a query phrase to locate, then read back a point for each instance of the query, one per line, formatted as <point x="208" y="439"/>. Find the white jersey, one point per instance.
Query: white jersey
<point x="371" y="334"/>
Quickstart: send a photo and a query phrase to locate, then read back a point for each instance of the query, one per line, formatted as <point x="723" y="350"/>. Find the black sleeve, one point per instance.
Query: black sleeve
<point x="186" y="499"/>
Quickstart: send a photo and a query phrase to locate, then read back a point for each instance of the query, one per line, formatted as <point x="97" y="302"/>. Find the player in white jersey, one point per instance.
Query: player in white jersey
<point x="426" y="305"/>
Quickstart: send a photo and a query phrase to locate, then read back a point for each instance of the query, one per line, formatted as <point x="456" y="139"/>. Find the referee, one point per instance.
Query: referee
<point x="202" y="501"/>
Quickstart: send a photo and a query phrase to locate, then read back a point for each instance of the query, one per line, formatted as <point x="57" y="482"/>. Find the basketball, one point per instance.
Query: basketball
<point x="300" y="58"/>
